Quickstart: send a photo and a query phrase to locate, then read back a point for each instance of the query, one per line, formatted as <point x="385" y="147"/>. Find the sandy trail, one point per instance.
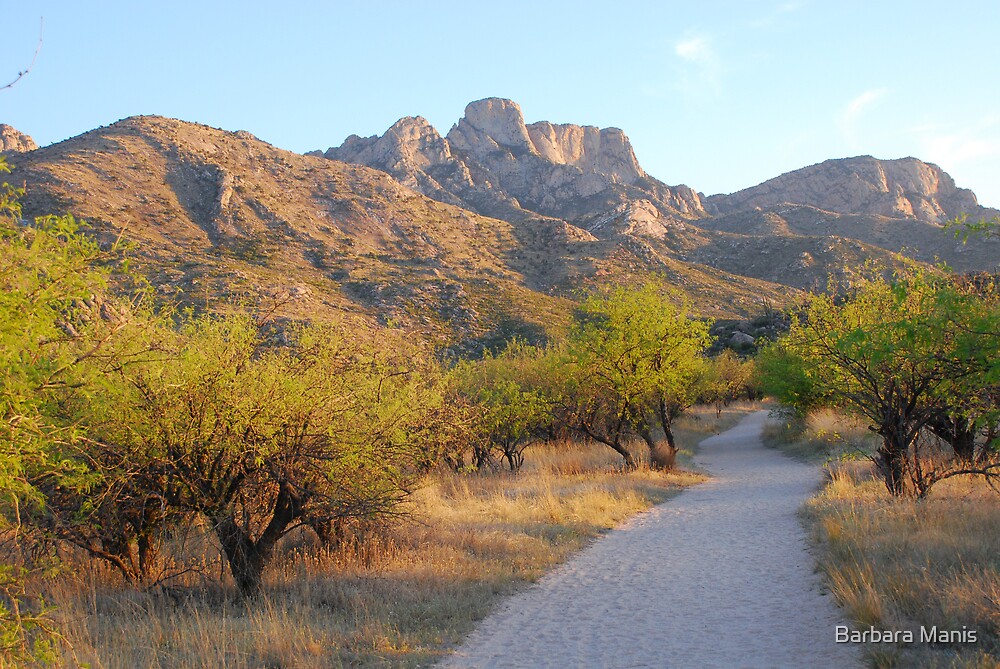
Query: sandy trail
<point x="719" y="576"/>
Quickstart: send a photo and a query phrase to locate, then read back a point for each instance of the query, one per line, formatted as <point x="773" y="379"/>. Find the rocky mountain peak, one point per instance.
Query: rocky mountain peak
<point x="495" y="164"/>
<point x="863" y="185"/>
<point x="604" y="150"/>
<point x="488" y="126"/>
<point x="15" y="141"/>
<point x="410" y="143"/>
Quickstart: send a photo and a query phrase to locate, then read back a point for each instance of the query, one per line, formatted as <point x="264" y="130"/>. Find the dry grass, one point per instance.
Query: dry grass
<point x="898" y="564"/>
<point x="823" y="435"/>
<point x="401" y="598"/>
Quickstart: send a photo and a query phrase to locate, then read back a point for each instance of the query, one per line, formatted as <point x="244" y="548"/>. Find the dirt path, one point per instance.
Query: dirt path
<point x="719" y="576"/>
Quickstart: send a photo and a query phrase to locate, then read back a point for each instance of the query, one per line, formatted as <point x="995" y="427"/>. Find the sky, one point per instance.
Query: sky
<point x="716" y="95"/>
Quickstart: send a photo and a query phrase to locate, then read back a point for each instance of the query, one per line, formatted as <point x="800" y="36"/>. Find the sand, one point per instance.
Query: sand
<point x="719" y="576"/>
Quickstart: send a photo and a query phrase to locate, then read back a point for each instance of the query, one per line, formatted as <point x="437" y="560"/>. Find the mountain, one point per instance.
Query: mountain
<point x="487" y="233"/>
<point x="492" y="163"/>
<point x="897" y="205"/>
<point x="14" y="141"/>
<point x="903" y="188"/>
<point x="220" y="217"/>
<point x="795" y="230"/>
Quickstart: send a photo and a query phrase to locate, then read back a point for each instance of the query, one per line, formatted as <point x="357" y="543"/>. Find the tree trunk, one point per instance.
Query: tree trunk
<point x="958" y="433"/>
<point x="329" y="531"/>
<point x="661" y="454"/>
<point x="647" y="436"/>
<point x="890" y="461"/>
<point x="667" y="416"/>
<point x="614" y="443"/>
<point x="630" y="463"/>
<point x="620" y="449"/>
<point x="247" y="558"/>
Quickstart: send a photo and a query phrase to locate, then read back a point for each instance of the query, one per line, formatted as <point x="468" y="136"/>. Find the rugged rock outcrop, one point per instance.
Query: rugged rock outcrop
<point x="491" y="126"/>
<point x="14" y="141"/>
<point x="602" y="150"/>
<point x="495" y="164"/>
<point x="412" y="152"/>
<point x="902" y="188"/>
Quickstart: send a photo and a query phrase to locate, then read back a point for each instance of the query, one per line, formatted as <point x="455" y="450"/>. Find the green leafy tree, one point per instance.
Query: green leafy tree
<point x="511" y="411"/>
<point x="632" y="357"/>
<point x="903" y="354"/>
<point x="260" y="431"/>
<point x="46" y="270"/>
<point x="965" y="229"/>
<point x="724" y="379"/>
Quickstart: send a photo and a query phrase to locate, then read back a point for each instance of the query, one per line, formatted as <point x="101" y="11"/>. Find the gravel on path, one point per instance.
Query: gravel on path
<point x="719" y="576"/>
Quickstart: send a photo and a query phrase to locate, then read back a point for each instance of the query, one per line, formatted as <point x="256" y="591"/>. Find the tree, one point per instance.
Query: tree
<point x="261" y="430"/>
<point x="724" y="379"/>
<point x="511" y="412"/>
<point x="47" y="270"/>
<point x="905" y="354"/>
<point x="633" y="355"/>
<point x="21" y="74"/>
<point x="964" y="229"/>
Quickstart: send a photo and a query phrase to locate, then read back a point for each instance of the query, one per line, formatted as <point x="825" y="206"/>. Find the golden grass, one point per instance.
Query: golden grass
<point x="897" y="564"/>
<point x="824" y="434"/>
<point x="401" y="598"/>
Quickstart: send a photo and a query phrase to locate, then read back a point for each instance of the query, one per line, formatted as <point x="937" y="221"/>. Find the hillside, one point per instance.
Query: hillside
<point x="479" y="236"/>
<point x="219" y="217"/>
<point x="795" y="230"/>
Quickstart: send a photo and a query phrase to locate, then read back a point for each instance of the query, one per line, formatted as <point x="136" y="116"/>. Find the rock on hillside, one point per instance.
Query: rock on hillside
<point x="14" y="141"/>
<point x="494" y="163"/>
<point x="902" y="188"/>
<point x="219" y="218"/>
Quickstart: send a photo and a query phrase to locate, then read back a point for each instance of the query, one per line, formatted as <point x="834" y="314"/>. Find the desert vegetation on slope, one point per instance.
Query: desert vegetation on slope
<point x="901" y="563"/>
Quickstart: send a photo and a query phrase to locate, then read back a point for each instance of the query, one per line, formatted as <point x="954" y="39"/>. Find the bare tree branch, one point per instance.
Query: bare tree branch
<point x="21" y="74"/>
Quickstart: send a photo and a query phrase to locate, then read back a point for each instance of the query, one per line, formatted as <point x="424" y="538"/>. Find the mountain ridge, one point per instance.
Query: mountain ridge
<point x="220" y="217"/>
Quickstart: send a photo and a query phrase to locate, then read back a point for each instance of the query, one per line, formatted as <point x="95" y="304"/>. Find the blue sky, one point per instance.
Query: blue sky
<point x="717" y="95"/>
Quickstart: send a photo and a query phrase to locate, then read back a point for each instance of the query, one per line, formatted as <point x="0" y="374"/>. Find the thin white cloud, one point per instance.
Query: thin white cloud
<point x="775" y="16"/>
<point x="699" y="75"/>
<point x="969" y="150"/>
<point x="951" y="146"/>
<point x="854" y="110"/>
<point x="695" y="49"/>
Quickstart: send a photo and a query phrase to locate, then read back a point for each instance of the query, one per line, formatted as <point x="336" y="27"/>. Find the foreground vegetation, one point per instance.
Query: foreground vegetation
<point x="148" y="440"/>
<point x="398" y="596"/>
<point x="917" y="357"/>
<point x="901" y="563"/>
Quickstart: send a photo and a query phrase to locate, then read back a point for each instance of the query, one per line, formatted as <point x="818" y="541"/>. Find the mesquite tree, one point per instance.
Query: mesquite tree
<point x="260" y="431"/>
<point x="911" y="354"/>
<point x="510" y="409"/>
<point x="631" y="360"/>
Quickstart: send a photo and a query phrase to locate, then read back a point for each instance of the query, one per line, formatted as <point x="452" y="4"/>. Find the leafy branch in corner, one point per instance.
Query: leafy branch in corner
<point x="963" y="228"/>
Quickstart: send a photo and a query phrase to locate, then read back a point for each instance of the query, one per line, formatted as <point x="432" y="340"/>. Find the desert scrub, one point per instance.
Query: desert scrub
<point x="399" y="597"/>
<point x="900" y="563"/>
